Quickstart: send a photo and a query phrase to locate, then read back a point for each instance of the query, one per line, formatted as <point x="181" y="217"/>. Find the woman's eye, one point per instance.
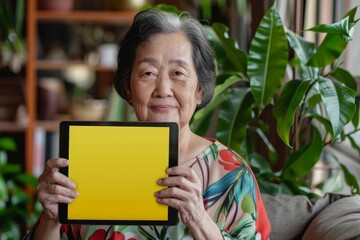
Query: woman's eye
<point x="148" y="74"/>
<point x="178" y="73"/>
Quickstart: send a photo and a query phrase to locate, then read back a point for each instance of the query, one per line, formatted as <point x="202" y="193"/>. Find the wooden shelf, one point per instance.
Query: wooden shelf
<point x="49" y="126"/>
<point x="11" y="126"/>
<point x="109" y="17"/>
<point x="118" y="19"/>
<point x="60" y="65"/>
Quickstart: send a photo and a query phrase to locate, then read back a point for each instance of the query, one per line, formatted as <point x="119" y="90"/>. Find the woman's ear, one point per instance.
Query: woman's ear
<point x="199" y="95"/>
<point x="128" y="95"/>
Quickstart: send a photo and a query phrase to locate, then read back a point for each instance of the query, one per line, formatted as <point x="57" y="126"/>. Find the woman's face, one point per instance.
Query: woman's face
<point x="164" y="84"/>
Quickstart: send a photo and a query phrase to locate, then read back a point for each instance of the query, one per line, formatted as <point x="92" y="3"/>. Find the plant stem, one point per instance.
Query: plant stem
<point x="300" y="118"/>
<point x="346" y="135"/>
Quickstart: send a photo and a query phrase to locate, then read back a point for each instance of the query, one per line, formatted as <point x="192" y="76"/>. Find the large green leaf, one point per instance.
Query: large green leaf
<point x="273" y="188"/>
<point x="268" y="145"/>
<point x="344" y="77"/>
<point x="335" y="42"/>
<point x="268" y="57"/>
<point x="7" y="144"/>
<point x="299" y="187"/>
<point x="339" y="102"/>
<point x="313" y="100"/>
<point x="4" y="195"/>
<point x="243" y="116"/>
<point x="206" y="8"/>
<point x="258" y="162"/>
<point x="201" y="119"/>
<point x="10" y="169"/>
<point x="202" y="125"/>
<point x="350" y="179"/>
<point x="351" y="14"/>
<point x="230" y="48"/>
<point x="344" y="28"/>
<point x="354" y="144"/>
<point x="247" y="146"/>
<point x="304" y="50"/>
<point x="163" y="7"/>
<point x="26" y="179"/>
<point x="302" y="161"/>
<point x="321" y="119"/>
<point x="330" y="49"/>
<point x="333" y="184"/>
<point x="6" y="18"/>
<point x="228" y="114"/>
<point x="287" y="104"/>
<point x="19" y="15"/>
<point x="356" y="117"/>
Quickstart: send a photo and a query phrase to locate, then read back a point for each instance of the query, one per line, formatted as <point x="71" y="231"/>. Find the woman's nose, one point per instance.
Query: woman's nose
<point x="163" y="86"/>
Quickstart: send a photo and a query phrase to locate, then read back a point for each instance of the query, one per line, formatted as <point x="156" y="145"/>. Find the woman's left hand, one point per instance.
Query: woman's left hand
<point x="184" y="193"/>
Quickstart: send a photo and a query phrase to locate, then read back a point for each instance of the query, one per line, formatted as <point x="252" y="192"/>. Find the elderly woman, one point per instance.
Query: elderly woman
<point x="166" y="71"/>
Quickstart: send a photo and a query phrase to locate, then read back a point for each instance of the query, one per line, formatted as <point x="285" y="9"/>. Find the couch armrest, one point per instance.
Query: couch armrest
<point x="340" y="220"/>
<point x="290" y="215"/>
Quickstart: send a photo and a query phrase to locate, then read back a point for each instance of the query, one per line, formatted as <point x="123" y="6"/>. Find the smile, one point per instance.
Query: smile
<point x="162" y="108"/>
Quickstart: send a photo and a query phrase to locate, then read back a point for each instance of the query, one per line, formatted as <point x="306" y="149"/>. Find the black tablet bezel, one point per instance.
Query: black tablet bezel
<point x="64" y="153"/>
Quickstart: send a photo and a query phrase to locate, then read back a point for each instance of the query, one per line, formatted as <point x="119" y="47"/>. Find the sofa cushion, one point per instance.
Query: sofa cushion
<point x="340" y="220"/>
<point x="290" y="215"/>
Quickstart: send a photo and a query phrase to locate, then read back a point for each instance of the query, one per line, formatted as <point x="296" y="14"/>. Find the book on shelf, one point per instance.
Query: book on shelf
<point x="45" y="148"/>
<point x="38" y="151"/>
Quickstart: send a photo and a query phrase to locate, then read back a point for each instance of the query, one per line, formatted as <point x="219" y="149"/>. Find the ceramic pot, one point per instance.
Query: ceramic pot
<point x="51" y="92"/>
<point x="88" y="109"/>
<point x="124" y="5"/>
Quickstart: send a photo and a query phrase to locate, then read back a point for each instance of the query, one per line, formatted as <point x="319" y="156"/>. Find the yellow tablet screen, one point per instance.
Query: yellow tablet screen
<point x="115" y="170"/>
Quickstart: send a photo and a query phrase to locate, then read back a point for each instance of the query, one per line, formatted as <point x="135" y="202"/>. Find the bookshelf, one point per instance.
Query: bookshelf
<point x="35" y="65"/>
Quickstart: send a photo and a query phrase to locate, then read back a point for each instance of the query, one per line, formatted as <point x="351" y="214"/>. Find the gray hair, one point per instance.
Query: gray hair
<point x="152" y="21"/>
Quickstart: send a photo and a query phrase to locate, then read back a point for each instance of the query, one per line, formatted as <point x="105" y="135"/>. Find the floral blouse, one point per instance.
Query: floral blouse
<point x="231" y="197"/>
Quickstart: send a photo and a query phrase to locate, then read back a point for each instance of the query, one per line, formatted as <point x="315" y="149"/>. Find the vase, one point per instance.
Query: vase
<point x="88" y="109"/>
<point x="51" y="92"/>
<point x="125" y="5"/>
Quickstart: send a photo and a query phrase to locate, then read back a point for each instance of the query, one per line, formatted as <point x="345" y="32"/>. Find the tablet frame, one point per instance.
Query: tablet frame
<point x="64" y="153"/>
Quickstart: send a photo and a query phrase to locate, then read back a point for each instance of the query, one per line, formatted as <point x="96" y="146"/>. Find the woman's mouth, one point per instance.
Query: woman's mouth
<point x="162" y="108"/>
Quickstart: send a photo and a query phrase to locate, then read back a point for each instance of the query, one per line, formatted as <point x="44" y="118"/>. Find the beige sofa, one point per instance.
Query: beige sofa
<point x="332" y="217"/>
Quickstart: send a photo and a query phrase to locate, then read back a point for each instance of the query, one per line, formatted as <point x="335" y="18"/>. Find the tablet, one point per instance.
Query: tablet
<point x="115" y="166"/>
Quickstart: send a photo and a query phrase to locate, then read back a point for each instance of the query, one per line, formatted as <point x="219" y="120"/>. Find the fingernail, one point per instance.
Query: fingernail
<point x="156" y="194"/>
<point x="168" y="170"/>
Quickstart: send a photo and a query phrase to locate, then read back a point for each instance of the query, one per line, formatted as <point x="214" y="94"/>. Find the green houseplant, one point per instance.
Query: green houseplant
<point x="15" y="200"/>
<point x="12" y="42"/>
<point x="311" y="106"/>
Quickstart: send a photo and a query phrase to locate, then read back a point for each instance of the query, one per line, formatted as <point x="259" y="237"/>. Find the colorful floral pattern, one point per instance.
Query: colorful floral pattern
<point x="231" y="196"/>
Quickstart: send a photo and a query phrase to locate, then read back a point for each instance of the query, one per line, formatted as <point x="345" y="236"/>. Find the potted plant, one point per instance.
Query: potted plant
<point x="125" y="5"/>
<point x="83" y="106"/>
<point x="12" y="42"/>
<point x="15" y="199"/>
<point x="311" y="108"/>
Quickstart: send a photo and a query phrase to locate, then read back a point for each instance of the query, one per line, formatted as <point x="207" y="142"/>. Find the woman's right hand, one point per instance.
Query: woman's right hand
<point x="54" y="188"/>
